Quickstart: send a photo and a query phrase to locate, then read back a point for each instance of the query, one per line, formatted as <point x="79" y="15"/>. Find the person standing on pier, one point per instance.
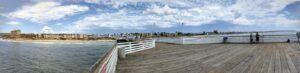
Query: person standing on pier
<point x="257" y="37"/>
<point x="251" y="38"/>
<point x="298" y="36"/>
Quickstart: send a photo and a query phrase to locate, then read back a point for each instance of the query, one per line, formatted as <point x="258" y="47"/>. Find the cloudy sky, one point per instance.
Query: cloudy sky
<point x="115" y="16"/>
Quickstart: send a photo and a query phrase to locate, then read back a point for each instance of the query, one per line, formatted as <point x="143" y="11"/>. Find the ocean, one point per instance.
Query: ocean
<point x="28" y="57"/>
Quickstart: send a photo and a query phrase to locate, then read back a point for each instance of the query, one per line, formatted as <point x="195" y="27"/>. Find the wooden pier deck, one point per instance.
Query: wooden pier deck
<point x="214" y="58"/>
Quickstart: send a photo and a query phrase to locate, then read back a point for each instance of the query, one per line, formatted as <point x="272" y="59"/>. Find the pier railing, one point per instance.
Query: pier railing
<point x="108" y="63"/>
<point x="131" y="47"/>
<point x="235" y="38"/>
<point x="263" y="38"/>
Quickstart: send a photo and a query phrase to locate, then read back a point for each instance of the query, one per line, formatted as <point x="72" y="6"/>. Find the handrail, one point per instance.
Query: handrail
<point x="108" y="63"/>
<point x="103" y="60"/>
<point x="264" y="38"/>
<point x="131" y="47"/>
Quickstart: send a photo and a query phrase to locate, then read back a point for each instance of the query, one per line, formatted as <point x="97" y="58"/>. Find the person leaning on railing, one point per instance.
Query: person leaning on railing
<point x="257" y="37"/>
<point x="251" y="38"/>
<point x="298" y="36"/>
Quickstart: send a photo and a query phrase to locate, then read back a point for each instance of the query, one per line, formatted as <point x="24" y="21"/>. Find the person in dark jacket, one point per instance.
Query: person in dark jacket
<point x="251" y="38"/>
<point x="225" y="39"/>
<point x="257" y="37"/>
<point x="298" y="36"/>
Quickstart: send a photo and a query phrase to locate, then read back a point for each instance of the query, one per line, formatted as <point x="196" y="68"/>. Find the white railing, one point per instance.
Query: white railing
<point x="178" y="40"/>
<point x="235" y="38"/>
<point x="239" y="39"/>
<point x="131" y="47"/>
<point x="195" y="40"/>
<point x="278" y="38"/>
<point x="108" y="63"/>
<point x="263" y="39"/>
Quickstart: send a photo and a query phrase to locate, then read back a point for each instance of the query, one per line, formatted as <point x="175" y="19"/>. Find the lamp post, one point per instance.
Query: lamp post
<point x="153" y="30"/>
<point x="182" y="25"/>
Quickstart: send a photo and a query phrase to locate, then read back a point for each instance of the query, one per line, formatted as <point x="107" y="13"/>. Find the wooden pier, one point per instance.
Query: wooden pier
<point x="214" y="58"/>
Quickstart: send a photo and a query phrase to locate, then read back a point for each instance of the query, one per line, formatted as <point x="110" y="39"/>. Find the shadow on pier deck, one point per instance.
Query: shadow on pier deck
<point x="214" y="58"/>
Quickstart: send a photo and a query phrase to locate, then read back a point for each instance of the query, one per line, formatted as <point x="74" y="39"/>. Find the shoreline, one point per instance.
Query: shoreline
<point x="57" y="41"/>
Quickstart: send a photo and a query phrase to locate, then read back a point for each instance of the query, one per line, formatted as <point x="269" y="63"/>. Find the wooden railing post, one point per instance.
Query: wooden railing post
<point x="130" y="46"/>
<point x="153" y="43"/>
<point x="122" y="53"/>
<point x="144" y="45"/>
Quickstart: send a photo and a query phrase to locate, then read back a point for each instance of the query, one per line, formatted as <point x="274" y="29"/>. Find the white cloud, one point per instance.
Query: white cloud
<point x="95" y="1"/>
<point x="262" y="12"/>
<point x="208" y="14"/>
<point x="14" y="23"/>
<point x="119" y="20"/>
<point x="46" y="11"/>
<point x="275" y="20"/>
<point x="47" y="29"/>
<point x="173" y="3"/>
<point x="166" y="10"/>
<point x="58" y="24"/>
<point x="195" y="13"/>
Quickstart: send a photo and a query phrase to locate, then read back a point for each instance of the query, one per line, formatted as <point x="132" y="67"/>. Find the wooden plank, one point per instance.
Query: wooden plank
<point x="199" y="59"/>
<point x="214" y="58"/>
<point x="254" y="56"/>
<point x="271" y="67"/>
<point x="266" y="59"/>
<point x="291" y="65"/>
<point x="220" y="57"/>
<point x="294" y="56"/>
<point x="259" y="65"/>
<point x="230" y="63"/>
<point x="277" y="62"/>
<point x="257" y="61"/>
<point x="231" y="56"/>
<point x="244" y="64"/>
<point x="284" y="64"/>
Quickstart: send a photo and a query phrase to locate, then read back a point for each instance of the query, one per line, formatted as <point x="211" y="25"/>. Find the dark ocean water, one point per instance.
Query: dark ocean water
<point x="24" y="57"/>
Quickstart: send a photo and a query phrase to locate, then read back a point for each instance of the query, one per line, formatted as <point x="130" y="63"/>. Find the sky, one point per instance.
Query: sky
<point x="121" y="16"/>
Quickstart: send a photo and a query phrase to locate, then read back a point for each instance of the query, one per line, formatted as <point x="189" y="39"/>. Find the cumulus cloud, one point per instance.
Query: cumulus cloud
<point x="165" y="10"/>
<point x="120" y="20"/>
<point x="169" y="13"/>
<point x="261" y="12"/>
<point x="244" y="12"/>
<point x="58" y="24"/>
<point x="95" y="1"/>
<point x="178" y="3"/>
<point x="46" y="11"/>
<point x="193" y="16"/>
<point x="14" y="23"/>
<point x="47" y="29"/>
